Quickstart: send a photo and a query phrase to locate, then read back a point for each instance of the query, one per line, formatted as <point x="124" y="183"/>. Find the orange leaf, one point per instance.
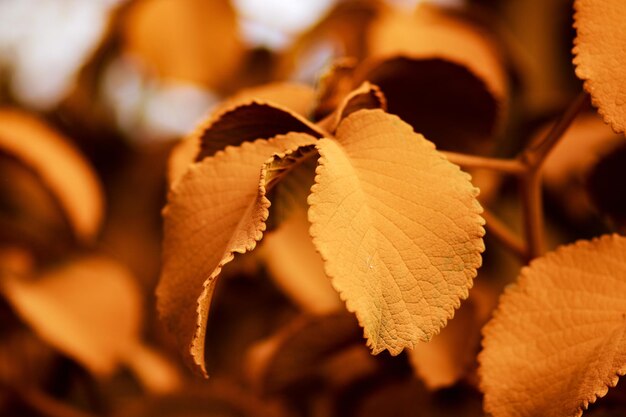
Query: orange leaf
<point x="64" y="171"/>
<point x="366" y="96"/>
<point x="600" y="56"/>
<point x="291" y="259"/>
<point x="89" y="309"/>
<point x="398" y="227"/>
<point x="556" y="342"/>
<point x="215" y="210"/>
<point x="256" y="113"/>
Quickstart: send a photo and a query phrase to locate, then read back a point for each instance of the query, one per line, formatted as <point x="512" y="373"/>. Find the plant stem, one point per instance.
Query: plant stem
<point x="500" y="231"/>
<point x="536" y="153"/>
<point x="532" y="205"/>
<point x="533" y="158"/>
<point x="508" y="166"/>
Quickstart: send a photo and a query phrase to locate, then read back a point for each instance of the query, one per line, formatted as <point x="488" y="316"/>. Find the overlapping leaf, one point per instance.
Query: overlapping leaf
<point x="557" y="342"/>
<point x="398" y="227"/>
<point x="260" y="112"/>
<point x="600" y="56"/>
<point x="206" y="223"/>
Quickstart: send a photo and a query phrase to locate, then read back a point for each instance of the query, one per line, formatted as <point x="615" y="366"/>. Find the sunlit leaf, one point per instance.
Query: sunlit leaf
<point x="255" y="113"/>
<point x="600" y="56"/>
<point x="398" y="227"/>
<point x="216" y="209"/>
<point x="556" y="342"/>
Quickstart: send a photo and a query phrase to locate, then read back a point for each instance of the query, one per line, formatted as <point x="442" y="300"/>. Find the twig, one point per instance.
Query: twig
<point x="536" y="153"/>
<point x="533" y="158"/>
<point x="507" y="166"/>
<point x="500" y="231"/>
<point x="532" y="206"/>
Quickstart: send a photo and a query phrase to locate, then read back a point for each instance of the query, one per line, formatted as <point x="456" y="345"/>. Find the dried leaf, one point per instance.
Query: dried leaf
<point x="66" y="173"/>
<point x="88" y="309"/>
<point x="398" y="227"/>
<point x="556" y="342"/>
<point x="600" y="56"/>
<point x="440" y="74"/>
<point x="217" y="209"/>
<point x="367" y="96"/>
<point x="283" y="103"/>
<point x="246" y="122"/>
<point x="187" y="40"/>
<point x="334" y="83"/>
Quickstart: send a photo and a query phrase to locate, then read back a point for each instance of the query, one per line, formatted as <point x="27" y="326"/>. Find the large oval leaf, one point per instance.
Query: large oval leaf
<point x="398" y="227"/>
<point x="557" y="341"/>
<point x="600" y="56"/>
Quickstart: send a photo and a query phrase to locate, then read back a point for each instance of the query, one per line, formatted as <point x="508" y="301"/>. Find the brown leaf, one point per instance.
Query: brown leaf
<point x="60" y="166"/>
<point x="600" y="56"/>
<point x="215" y="210"/>
<point x="246" y="122"/>
<point x="440" y="74"/>
<point x="556" y="342"/>
<point x="89" y="309"/>
<point x="283" y="103"/>
<point x="333" y="85"/>
<point x="186" y="40"/>
<point x="366" y="96"/>
<point x="398" y="227"/>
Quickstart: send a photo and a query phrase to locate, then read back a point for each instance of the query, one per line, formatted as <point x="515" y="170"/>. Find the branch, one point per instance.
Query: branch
<point x="536" y="153"/>
<point x="507" y="166"/>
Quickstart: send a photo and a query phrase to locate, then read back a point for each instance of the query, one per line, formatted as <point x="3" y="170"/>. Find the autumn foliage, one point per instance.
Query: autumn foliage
<point x="384" y="209"/>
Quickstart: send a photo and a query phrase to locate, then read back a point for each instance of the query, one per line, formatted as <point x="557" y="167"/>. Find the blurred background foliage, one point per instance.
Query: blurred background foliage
<point x="121" y="81"/>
